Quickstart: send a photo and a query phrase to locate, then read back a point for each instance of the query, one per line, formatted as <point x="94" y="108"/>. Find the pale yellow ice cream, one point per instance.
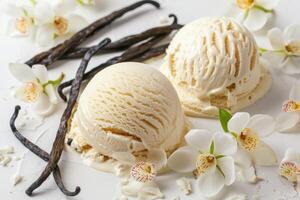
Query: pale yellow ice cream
<point x="128" y="107"/>
<point x="213" y="63"/>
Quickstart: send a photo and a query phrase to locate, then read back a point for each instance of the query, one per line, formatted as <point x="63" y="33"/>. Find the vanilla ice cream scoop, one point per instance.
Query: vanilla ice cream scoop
<point x="213" y="63"/>
<point x="129" y="107"/>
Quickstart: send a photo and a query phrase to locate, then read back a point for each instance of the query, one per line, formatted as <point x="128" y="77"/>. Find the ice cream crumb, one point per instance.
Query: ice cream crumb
<point x="17" y="158"/>
<point x="16" y="179"/>
<point x="163" y="20"/>
<point x="184" y="185"/>
<point x="7" y="150"/>
<point x="5" y="160"/>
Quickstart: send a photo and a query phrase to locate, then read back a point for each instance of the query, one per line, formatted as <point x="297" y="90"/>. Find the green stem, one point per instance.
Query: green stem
<point x="56" y="82"/>
<point x="263" y="9"/>
<point x="220" y="156"/>
<point x="33" y="1"/>
<point x="263" y="50"/>
<point x="212" y="148"/>
<point x="234" y="134"/>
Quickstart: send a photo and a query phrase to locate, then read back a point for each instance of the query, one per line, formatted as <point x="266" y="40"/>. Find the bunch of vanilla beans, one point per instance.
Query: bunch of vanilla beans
<point x="137" y="47"/>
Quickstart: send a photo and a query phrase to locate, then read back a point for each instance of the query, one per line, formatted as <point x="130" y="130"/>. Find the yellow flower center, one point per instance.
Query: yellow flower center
<point x="32" y="92"/>
<point x="22" y="24"/>
<point x="292" y="49"/>
<point x="291" y="106"/>
<point x="245" y="4"/>
<point x="204" y="163"/>
<point x="289" y="170"/>
<point x="143" y="172"/>
<point x="248" y="139"/>
<point x="61" y="25"/>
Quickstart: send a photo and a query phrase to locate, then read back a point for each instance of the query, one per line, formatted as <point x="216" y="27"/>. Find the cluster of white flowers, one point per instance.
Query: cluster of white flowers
<point x="254" y="14"/>
<point x="36" y="88"/>
<point x="214" y="158"/>
<point x="285" y="52"/>
<point x="45" y="21"/>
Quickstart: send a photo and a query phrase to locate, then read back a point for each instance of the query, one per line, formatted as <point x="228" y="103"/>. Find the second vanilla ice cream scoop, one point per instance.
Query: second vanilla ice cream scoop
<point x="213" y="63"/>
<point x="129" y="107"/>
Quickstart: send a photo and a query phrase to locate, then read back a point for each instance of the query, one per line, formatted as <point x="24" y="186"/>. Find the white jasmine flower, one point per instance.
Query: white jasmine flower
<point x="248" y="132"/>
<point x="21" y="17"/>
<point x="290" y="117"/>
<point x="36" y="88"/>
<point x="254" y="14"/>
<point x="56" y="20"/>
<point x="137" y="180"/>
<point x="209" y="157"/>
<point x="285" y="52"/>
<point x="289" y="166"/>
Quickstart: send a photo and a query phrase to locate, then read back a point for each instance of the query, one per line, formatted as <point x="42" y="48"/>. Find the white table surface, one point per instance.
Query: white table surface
<point x="99" y="185"/>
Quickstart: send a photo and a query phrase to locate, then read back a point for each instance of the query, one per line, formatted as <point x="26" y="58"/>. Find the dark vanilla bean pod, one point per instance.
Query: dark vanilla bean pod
<point x="58" y="51"/>
<point x="40" y="153"/>
<point x="152" y="53"/>
<point x="127" y="41"/>
<point x="58" y="144"/>
<point x="126" y="56"/>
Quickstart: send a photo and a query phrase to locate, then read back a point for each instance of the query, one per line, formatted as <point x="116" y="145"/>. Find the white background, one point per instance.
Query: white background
<point x="98" y="185"/>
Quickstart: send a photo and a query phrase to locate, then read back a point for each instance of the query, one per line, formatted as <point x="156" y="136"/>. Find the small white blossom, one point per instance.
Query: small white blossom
<point x="254" y="14"/>
<point x="208" y="156"/>
<point x="290" y="115"/>
<point x="289" y="167"/>
<point x="285" y="52"/>
<point x="56" y="20"/>
<point x="137" y="178"/>
<point x="21" y="21"/>
<point x="36" y="88"/>
<point x="248" y="132"/>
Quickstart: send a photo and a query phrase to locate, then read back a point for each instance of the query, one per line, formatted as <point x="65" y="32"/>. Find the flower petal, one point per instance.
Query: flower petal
<point x="224" y="144"/>
<point x="268" y="4"/>
<point x="10" y="9"/>
<point x="291" y="65"/>
<point x="43" y="106"/>
<point x="76" y="23"/>
<point x="263" y="155"/>
<point x="44" y="35"/>
<point x="183" y="160"/>
<point x="276" y="39"/>
<point x="256" y="20"/>
<point x="209" y="184"/>
<point x="158" y="157"/>
<point x="226" y="164"/>
<point x="263" y="125"/>
<point x="52" y="95"/>
<point x="286" y="121"/>
<point x="249" y="174"/>
<point x="292" y="33"/>
<point x="199" y="139"/>
<point x="242" y="158"/>
<point x="61" y="7"/>
<point x="291" y="155"/>
<point x="275" y="59"/>
<point x="40" y="72"/>
<point x="235" y="12"/>
<point x="238" y="122"/>
<point x="21" y="72"/>
<point x="43" y="13"/>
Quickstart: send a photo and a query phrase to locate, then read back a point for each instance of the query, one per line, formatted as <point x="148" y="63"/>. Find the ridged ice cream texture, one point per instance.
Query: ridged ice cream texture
<point x="129" y="107"/>
<point x="213" y="62"/>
